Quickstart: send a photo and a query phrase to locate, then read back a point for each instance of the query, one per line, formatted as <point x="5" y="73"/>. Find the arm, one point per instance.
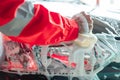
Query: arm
<point x="47" y="27"/>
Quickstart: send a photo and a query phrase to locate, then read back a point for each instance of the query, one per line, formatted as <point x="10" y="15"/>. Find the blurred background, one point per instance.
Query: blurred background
<point x="105" y="8"/>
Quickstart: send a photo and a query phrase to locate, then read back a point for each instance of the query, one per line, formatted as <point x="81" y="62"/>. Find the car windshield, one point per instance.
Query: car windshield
<point x="107" y="11"/>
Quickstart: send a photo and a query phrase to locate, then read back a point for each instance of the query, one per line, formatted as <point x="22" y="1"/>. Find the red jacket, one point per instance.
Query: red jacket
<point x="45" y="27"/>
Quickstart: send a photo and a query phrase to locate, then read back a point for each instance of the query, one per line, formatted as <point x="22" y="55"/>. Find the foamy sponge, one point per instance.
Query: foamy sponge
<point x="86" y="40"/>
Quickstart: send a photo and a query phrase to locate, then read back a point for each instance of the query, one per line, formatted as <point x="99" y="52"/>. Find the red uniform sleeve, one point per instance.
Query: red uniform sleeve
<point x="47" y="28"/>
<point x="8" y="10"/>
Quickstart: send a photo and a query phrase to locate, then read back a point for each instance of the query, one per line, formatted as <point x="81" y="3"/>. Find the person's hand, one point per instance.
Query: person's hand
<point x="84" y="22"/>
